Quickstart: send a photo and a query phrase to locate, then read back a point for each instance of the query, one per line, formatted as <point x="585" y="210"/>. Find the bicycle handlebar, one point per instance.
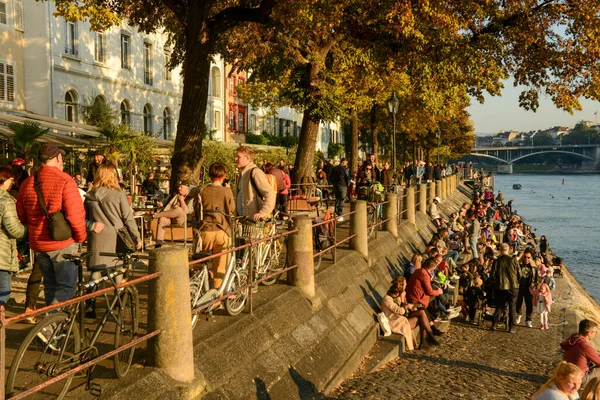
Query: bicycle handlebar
<point x="123" y="256"/>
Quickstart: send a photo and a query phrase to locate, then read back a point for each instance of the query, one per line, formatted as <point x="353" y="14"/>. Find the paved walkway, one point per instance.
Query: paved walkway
<point x="472" y="363"/>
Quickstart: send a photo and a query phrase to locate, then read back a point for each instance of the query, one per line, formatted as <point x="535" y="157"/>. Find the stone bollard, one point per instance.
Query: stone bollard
<point x="358" y="226"/>
<point x="431" y="192"/>
<point x="408" y="207"/>
<point x="300" y="253"/>
<point x="390" y="212"/>
<point x="444" y="188"/>
<point x="438" y="189"/>
<point x="169" y="310"/>
<point x="423" y="198"/>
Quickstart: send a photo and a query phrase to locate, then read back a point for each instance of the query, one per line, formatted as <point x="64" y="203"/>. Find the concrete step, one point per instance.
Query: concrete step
<point x="386" y="349"/>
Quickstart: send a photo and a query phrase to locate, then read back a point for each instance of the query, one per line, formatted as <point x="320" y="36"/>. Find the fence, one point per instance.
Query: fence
<point x="395" y="208"/>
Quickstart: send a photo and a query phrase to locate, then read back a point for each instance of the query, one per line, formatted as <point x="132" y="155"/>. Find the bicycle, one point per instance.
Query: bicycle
<point x="58" y="343"/>
<point x="235" y="277"/>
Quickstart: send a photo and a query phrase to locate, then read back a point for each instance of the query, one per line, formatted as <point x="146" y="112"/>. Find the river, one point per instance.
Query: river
<point x="566" y="213"/>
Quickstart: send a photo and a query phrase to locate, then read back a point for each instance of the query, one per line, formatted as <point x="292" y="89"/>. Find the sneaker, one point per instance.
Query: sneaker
<point x="529" y="324"/>
<point x="518" y="321"/>
<point x="513" y="330"/>
<point x="453" y="314"/>
<point x="450" y="286"/>
<point x="340" y="219"/>
<point x="30" y="320"/>
<point x="546" y="326"/>
<point x="542" y="326"/>
<point x="455" y="277"/>
<point x="45" y="335"/>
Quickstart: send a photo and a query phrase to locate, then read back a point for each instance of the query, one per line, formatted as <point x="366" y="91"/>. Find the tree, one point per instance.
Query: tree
<point x="581" y="134"/>
<point x="25" y="138"/>
<point x="542" y="138"/>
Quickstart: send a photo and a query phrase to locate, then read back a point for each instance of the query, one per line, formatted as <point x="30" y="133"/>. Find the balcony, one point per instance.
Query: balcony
<point x="72" y="51"/>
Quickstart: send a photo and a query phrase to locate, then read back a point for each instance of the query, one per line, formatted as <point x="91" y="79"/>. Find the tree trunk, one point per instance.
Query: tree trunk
<point x="354" y="141"/>
<point x="305" y="155"/>
<point x="187" y="156"/>
<point x="373" y="121"/>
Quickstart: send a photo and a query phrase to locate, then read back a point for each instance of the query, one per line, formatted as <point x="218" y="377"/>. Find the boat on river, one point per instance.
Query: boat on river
<point x="517" y="186"/>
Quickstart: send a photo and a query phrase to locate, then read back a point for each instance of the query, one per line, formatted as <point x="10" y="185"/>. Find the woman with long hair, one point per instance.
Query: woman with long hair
<point x="404" y="317"/>
<point x="563" y="385"/>
<point x="591" y="390"/>
<point x="115" y="209"/>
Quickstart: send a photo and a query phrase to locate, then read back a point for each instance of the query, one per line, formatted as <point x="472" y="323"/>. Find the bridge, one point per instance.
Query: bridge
<point x="510" y="155"/>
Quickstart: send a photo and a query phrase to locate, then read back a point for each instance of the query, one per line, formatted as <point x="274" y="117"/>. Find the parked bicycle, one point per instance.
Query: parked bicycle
<point x="59" y="343"/>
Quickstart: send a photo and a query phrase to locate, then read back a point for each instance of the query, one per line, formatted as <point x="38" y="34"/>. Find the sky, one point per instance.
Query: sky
<point x="503" y="113"/>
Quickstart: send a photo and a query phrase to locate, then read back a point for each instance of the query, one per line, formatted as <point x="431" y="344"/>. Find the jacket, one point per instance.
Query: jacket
<point x="578" y="351"/>
<point x="12" y="229"/>
<point x="507" y="273"/>
<point x="248" y="202"/>
<point x="418" y="289"/>
<point x="398" y="321"/>
<point x="120" y="213"/>
<point x="339" y="176"/>
<point x="60" y="193"/>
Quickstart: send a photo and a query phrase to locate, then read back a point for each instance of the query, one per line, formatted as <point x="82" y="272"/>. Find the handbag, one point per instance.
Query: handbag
<point x="384" y="323"/>
<point x="125" y="242"/>
<point x="59" y="226"/>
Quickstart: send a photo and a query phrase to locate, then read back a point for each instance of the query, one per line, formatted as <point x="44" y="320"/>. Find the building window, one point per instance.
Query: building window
<point x="125" y="51"/>
<point x="217" y="120"/>
<point x="71" y="100"/>
<point x="125" y="113"/>
<point x="99" y="47"/>
<point x="231" y="120"/>
<point x="231" y="84"/>
<point x="3" y="14"/>
<point x="7" y="82"/>
<point x="216" y="82"/>
<point x="71" y="39"/>
<point x="167" y="53"/>
<point x="252" y="126"/>
<point x="167" y="124"/>
<point x="148" y="119"/>
<point x="241" y="121"/>
<point x="147" y="63"/>
<point x="18" y="15"/>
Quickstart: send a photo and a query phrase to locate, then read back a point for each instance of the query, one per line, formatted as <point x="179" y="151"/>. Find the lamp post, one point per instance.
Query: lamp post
<point x="287" y="137"/>
<point x="393" y="104"/>
<point x="438" y="135"/>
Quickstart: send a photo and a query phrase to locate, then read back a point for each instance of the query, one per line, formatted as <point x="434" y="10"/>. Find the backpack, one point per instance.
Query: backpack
<point x="376" y="192"/>
<point x="279" y="179"/>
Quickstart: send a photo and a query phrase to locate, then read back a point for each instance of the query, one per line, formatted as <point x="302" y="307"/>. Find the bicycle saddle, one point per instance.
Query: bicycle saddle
<point x="83" y="257"/>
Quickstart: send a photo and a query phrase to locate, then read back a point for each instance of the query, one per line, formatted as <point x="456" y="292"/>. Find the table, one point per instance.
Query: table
<point x="140" y="213"/>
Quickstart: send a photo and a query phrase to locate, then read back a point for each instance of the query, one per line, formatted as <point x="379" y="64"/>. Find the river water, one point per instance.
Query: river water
<point x="566" y="213"/>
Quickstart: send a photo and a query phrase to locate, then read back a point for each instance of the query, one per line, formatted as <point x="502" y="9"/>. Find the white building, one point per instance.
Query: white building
<point x="60" y="65"/>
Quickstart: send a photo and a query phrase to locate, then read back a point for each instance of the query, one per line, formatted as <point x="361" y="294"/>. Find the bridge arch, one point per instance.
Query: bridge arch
<point x="552" y="151"/>
<point x="489" y="156"/>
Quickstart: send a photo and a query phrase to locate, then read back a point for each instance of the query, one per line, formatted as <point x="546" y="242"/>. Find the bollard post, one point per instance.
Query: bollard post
<point x="423" y="198"/>
<point x="300" y="253"/>
<point x="390" y="213"/>
<point x="438" y="189"/>
<point x="409" y="204"/>
<point x="358" y="227"/>
<point x="430" y="192"/>
<point x="169" y="310"/>
<point x="444" y="188"/>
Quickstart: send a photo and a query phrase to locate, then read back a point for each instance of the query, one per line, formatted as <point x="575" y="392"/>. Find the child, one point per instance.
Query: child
<point x="549" y="280"/>
<point x="465" y="278"/>
<point x="543" y="299"/>
<point x="473" y="296"/>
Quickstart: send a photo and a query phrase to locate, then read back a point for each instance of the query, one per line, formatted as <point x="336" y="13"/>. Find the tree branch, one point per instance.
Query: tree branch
<point x="178" y="8"/>
<point x="233" y="16"/>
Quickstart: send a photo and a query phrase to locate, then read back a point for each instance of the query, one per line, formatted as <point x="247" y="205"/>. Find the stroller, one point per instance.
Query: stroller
<point x="488" y="308"/>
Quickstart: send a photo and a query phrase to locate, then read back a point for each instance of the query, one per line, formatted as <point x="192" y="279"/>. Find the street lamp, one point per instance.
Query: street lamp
<point x="438" y="135"/>
<point x="393" y="104"/>
<point x="287" y="137"/>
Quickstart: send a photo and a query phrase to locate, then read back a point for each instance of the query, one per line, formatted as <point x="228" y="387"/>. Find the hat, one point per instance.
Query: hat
<point x="48" y="151"/>
<point x="17" y="161"/>
<point x="437" y="199"/>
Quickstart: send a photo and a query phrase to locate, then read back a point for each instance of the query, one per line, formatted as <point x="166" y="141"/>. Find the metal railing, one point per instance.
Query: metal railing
<point x="5" y="322"/>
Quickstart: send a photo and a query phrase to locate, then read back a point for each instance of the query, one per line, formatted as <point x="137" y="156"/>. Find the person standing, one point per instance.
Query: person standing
<point x="328" y="167"/>
<point x="215" y="229"/>
<point x="388" y="175"/>
<point x="91" y="172"/>
<point x="507" y="275"/>
<point x="474" y="235"/>
<point x="527" y="282"/>
<point x="150" y="184"/>
<point x="12" y="229"/>
<point x="255" y="197"/>
<point x="60" y="193"/>
<point x="340" y="179"/>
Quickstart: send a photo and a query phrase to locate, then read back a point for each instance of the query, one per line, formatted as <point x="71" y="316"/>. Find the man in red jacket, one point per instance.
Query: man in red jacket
<point x="60" y="193"/>
<point x="418" y="288"/>
<point x="578" y="350"/>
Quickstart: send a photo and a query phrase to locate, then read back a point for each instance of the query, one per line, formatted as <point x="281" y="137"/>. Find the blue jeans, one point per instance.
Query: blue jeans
<point x="4" y="286"/>
<point x="340" y="196"/>
<point x="473" y="245"/>
<point x="60" y="276"/>
<point x="453" y="254"/>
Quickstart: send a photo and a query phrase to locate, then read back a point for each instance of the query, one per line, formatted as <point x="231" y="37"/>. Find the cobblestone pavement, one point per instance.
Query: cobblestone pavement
<point x="472" y="363"/>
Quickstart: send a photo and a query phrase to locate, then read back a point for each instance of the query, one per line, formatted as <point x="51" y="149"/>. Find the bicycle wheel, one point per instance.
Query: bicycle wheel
<point x="37" y="362"/>
<point x="371" y="220"/>
<point x="236" y="302"/>
<point x="196" y="291"/>
<point x="273" y="258"/>
<point x="316" y="249"/>
<point x="126" y="330"/>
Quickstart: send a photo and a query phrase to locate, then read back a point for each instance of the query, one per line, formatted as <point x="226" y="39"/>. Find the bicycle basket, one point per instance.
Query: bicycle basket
<point x="247" y="230"/>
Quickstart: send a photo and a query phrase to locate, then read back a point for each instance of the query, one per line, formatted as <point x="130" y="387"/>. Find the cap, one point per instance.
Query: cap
<point x="49" y="151"/>
<point x="437" y="199"/>
<point x="99" y="153"/>
<point x="17" y="161"/>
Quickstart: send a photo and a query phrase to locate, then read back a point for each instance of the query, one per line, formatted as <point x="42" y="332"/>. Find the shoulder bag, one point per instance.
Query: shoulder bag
<point x="59" y="226"/>
<point x="384" y="323"/>
<point x="125" y="242"/>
